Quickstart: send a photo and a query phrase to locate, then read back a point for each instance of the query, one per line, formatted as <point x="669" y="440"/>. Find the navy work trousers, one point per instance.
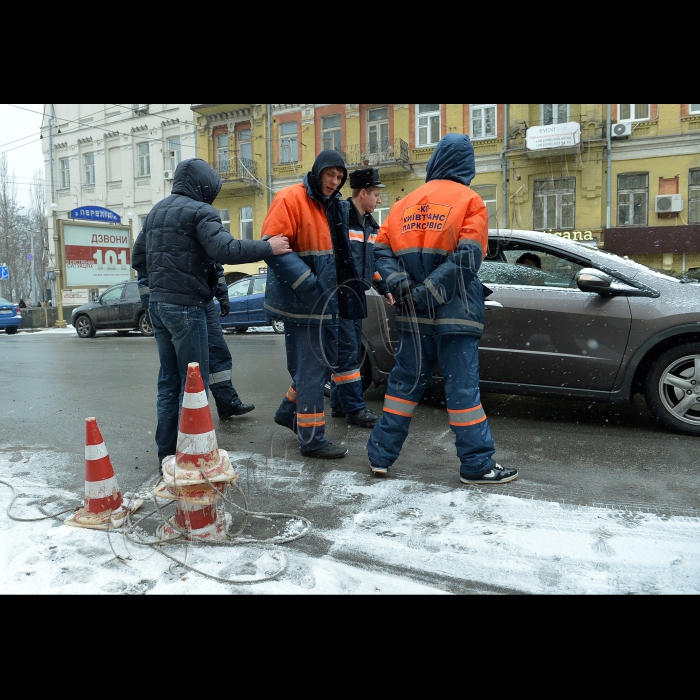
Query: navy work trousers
<point x="310" y="352"/>
<point x="416" y="359"/>
<point x="346" y="380"/>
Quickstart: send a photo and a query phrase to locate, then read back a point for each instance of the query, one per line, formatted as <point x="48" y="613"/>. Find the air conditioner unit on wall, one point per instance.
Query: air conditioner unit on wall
<point x="668" y="203"/>
<point x="169" y="174"/>
<point x="621" y="129"/>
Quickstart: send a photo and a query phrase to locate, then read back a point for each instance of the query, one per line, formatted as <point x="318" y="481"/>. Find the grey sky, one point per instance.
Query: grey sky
<point x="24" y="155"/>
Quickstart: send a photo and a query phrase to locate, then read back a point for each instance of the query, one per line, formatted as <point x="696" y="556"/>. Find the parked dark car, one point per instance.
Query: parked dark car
<point x="10" y="316"/>
<point x="584" y="324"/>
<point x="119" y="308"/>
<point x="247" y="296"/>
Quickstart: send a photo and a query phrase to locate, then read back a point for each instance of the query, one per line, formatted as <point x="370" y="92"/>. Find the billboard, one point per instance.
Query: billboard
<point x="95" y="256"/>
<point x="553" y="136"/>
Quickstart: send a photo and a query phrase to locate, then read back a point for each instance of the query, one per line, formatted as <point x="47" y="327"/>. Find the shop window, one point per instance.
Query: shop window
<point x="331" y="132"/>
<point x="483" y="121"/>
<point x="427" y="125"/>
<point x="555" y="202"/>
<point x="489" y="194"/>
<point x="694" y="197"/>
<point x="555" y="114"/>
<point x="246" y="223"/>
<point x="633" y="113"/>
<point x="632" y="199"/>
<point x="289" y="142"/>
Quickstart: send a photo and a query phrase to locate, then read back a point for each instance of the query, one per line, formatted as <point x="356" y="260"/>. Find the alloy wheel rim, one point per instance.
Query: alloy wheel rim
<point x="679" y="389"/>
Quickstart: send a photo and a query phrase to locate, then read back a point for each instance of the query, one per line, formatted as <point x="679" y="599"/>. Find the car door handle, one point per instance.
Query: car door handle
<point x="490" y="305"/>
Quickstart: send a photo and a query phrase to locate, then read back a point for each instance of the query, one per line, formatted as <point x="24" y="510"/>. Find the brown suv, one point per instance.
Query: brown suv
<point x="569" y="321"/>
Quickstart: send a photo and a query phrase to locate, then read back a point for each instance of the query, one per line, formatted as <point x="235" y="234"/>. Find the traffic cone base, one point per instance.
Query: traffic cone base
<point x="202" y="494"/>
<point x="104" y="506"/>
<point x="213" y="527"/>
<point x="182" y="474"/>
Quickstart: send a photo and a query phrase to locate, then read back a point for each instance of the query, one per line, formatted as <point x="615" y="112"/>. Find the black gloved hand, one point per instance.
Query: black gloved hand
<point x="225" y="305"/>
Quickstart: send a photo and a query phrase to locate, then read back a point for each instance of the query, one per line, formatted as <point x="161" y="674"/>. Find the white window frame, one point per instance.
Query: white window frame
<point x="555" y="114"/>
<point x="248" y="141"/>
<point x="332" y="136"/>
<point x="376" y="127"/>
<point x="493" y="210"/>
<point x="89" y="168"/>
<point x="558" y="195"/>
<point x="289" y="144"/>
<point x="693" y="197"/>
<point x="478" y="112"/>
<point x="174" y="160"/>
<point x="223" y="157"/>
<point x="635" y="193"/>
<point x="64" y="172"/>
<point x="143" y="159"/>
<point x="225" y="216"/>
<point x="633" y="117"/>
<point x="142" y="221"/>
<point x="244" y="212"/>
<point x="424" y="126"/>
<point x="694" y="111"/>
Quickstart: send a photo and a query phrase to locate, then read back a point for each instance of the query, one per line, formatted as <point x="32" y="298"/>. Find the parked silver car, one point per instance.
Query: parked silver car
<point x="574" y="322"/>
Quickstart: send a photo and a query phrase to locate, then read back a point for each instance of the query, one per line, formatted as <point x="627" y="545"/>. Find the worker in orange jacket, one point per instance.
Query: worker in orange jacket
<point x="309" y="292"/>
<point x="428" y="252"/>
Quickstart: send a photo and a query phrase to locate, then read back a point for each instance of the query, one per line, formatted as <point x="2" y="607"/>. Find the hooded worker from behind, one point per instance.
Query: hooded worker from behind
<point x="428" y="252"/>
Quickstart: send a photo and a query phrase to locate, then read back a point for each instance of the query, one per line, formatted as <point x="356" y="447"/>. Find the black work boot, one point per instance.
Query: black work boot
<point x="364" y="418"/>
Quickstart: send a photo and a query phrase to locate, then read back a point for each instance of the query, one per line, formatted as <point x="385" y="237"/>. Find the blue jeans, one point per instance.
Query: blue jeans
<point x="220" y="364"/>
<point x="416" y="358"/>
<point x="181" y="337"/>
<point x="346" y="382"/>
<point x="310" y="352"/>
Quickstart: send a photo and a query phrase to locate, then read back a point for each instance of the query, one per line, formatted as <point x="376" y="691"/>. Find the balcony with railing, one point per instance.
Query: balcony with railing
<point x="377" y="154"/>
<point x="241" y="170"/>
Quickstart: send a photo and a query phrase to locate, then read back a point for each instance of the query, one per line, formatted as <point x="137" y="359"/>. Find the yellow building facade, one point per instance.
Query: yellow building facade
<point x="550" y="173"/>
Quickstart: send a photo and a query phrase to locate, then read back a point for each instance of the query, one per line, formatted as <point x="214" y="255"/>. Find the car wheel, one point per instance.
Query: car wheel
<point x="241" y="329"/>
<point x="672" y="389"/>
<point x="84" y="327"/>
<point x="145" y="324"/>
<point x="11" y="330"/>
<point x="278" y="326"/>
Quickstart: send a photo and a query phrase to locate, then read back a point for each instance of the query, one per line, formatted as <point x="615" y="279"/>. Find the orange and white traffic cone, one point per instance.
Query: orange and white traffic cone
<point x="197" y="459"/>
<point x="104" y="506"/>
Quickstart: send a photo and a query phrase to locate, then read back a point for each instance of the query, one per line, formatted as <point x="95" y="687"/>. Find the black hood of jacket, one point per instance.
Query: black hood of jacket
<point x="196" y="179"/>
<point x="325" y="159"/>
<point x="452" y="159"/>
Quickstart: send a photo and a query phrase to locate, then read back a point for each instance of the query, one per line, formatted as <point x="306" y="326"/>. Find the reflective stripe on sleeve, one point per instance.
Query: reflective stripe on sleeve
<point x="401" y="407"/>
<point x="291" y="395"/>
<point x="301" y="279"/>
<point x="433" y="290"/>
<point x="466" y="416"/>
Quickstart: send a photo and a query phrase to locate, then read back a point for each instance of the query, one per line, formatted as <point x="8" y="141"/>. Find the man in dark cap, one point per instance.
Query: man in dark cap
<point x="347" y="400"/>
<point x="309" y="290"/>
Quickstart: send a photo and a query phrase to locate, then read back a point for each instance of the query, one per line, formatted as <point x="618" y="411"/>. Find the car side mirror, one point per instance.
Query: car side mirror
<point x="592" y="280"/>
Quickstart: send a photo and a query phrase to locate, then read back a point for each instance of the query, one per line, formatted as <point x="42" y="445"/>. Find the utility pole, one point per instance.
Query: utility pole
<point x="33" y="292"/>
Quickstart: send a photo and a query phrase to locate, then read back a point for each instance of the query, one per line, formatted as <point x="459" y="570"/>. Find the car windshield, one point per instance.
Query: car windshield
<point x="4" y="302"/>
<point x="638" y="265"/>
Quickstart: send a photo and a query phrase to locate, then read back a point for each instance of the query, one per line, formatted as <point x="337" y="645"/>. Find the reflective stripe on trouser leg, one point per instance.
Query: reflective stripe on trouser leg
<point x="415" y="362"/>
<point x="306" y="365"/>
<point x="220" y="364"/>
<point x="346" y="392"/>
<point x="459" y="361"/>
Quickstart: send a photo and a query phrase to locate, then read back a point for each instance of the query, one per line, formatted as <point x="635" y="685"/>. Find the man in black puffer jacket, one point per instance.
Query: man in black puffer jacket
<point x="181" y="240"/>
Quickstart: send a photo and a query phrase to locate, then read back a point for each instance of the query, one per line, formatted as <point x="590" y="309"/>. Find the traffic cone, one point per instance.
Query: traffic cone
<point x="197" y="461"/>
<point x="104" y="506"/>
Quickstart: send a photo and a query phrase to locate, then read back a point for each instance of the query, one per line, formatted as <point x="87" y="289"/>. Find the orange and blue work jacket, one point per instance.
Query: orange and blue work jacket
<point x="301" y="284"/>
<point x="432" y="244"/>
